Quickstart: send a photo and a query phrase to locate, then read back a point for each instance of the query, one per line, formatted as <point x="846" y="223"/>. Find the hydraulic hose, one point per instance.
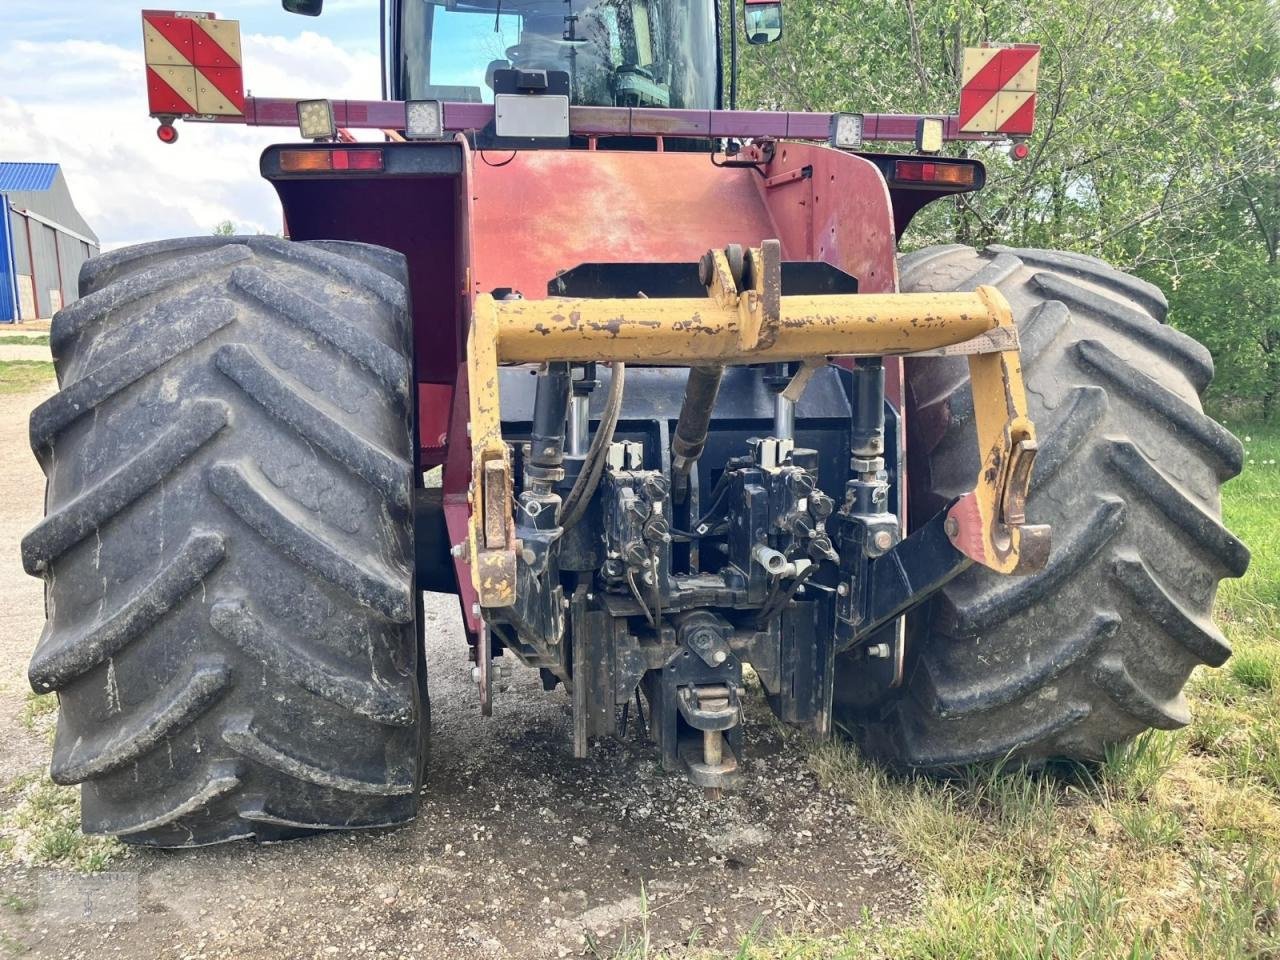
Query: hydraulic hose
<point x="584" y="488"/>
<point x="690" y="436"/>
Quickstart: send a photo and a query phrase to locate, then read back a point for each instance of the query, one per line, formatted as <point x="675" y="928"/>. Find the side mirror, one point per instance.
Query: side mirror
<point x="308" y="8"/>
<point x="762" y="20"/>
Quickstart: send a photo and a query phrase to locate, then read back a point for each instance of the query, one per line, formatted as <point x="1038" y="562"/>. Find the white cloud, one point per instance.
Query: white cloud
<point x="82" y="103"/>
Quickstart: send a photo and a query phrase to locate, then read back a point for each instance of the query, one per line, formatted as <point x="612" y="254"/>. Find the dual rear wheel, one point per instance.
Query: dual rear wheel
<point x="234" y="632"/>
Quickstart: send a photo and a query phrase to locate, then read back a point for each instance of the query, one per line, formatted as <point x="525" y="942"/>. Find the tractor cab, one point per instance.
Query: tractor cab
<point x="615" y="53"/>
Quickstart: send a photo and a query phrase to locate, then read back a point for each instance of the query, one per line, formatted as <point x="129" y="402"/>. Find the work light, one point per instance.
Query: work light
<point x="929" y="135"/>
<point x="315" y="119"/>
<point x="423" y="120"/>
<point x="846" y="131"/>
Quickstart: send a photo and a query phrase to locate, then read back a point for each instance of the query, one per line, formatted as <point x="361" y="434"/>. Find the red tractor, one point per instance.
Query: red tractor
<point x="656" y="349"/>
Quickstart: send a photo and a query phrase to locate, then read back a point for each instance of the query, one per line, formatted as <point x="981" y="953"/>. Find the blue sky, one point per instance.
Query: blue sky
<point x="73" y="91"/>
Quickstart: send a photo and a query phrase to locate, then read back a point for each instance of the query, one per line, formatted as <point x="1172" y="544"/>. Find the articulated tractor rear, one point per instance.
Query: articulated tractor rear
<point x="690" y="414"/>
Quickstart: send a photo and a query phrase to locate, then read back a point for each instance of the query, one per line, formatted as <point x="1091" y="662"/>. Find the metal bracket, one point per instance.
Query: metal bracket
<point x="989" y="524"/>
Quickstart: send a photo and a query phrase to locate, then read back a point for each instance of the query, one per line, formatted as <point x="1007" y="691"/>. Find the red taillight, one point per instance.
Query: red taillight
<point x="927" y="171"/>
<point x="357" y="159"/>
<point x="325" y="161"/>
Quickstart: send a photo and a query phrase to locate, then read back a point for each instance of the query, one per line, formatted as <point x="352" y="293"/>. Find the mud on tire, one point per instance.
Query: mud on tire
<point x="228" y="544"/>
<point x="1097" y="647"/>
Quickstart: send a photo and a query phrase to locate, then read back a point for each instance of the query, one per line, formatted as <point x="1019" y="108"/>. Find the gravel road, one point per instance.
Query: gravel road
<point x="519" y="851"/>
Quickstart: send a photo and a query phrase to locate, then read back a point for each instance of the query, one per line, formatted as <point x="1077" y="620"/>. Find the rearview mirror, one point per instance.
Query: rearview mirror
<point x="308" y="8"/>
<point x="762" y="20"/>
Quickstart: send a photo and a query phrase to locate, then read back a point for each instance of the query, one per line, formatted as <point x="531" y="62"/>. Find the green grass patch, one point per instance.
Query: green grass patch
<point x="18" y="339"/>
<point x="1256" y="668"/>
<point x="41" y="827"/>
<point x="14" y="903"/>
<point x="19" y="376"/>
<point x="39" y="711"/>
<point x="1133" y="769"/>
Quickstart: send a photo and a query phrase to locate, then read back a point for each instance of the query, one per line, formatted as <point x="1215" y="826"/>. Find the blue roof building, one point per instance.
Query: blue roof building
<point x="43" y="242"/>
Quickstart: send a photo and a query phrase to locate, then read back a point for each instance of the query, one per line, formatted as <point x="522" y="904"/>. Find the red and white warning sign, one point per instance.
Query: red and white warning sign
<point x="193" y="64"/>
<point x="998" y="89"/>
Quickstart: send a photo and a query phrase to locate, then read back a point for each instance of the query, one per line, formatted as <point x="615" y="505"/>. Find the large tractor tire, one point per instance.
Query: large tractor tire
<point x="1096" y="647"/>
<point x="228" y="546"/>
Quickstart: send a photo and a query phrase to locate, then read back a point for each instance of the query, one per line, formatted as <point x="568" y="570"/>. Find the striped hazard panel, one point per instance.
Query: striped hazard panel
<point x="998" y="89"/>
<point x="193" y="64"/>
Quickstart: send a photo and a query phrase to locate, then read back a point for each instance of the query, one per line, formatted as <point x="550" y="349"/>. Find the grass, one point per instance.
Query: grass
<point x="40" y="820"/>
<point x="39" y="712"/>
<point x="19" y="376"/>
<point x="40" y="826"/>
<point x="1169" y="849"/>
<point x="31" y="340"/>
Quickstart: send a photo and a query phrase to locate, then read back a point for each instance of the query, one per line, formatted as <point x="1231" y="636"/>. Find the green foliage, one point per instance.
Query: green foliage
<point x="1157" y="143"/>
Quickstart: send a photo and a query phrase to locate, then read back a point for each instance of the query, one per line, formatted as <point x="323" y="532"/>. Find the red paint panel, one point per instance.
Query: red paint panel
<point x="841" y="214"/>
<point x="378" y="114"/>
<point x="547" y="211"/>
<point x="467" y="116"/>
<point x="417" y="216"/>
<point x="673" y="207"/>
<point x="229" y="81"/>
<point x="972" y="100"/>
<point x="989" y="76"/>
<point x="809" y="126"/>
<point x="163" y="99"/>
<point x="207" y="52"/>
<point x="177" y="30"/>
<point x="434" y="404"/>
<point x="1023" y="120"/>
<point x="1014" y="59"/>
<point x="274" y="112"/>
<point x="726" y="123"/>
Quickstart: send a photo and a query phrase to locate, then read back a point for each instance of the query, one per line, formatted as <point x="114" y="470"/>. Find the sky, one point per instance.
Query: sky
<point x="73" y="91"/>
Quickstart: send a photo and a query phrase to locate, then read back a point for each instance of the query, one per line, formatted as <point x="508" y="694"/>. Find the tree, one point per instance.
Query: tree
<point x="226" y="228"/>
<point x="1157" y="141"/>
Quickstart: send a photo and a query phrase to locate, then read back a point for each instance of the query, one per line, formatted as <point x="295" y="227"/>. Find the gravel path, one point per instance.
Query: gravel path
<point x="519" y="851"/>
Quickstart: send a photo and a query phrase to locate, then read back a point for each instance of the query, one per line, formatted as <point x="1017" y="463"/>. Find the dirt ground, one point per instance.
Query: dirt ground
<point x="519" y="851"/>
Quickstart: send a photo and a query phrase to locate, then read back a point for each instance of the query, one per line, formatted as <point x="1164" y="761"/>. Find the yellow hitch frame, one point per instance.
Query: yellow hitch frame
<point x="759" y="325"/>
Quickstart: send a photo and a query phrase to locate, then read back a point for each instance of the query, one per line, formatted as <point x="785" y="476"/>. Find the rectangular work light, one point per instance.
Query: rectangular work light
<point x="846" y="131"/>
<point x="929" y="135"/>
<point x="423" y="119"/>
<point x="315" y="119"/>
